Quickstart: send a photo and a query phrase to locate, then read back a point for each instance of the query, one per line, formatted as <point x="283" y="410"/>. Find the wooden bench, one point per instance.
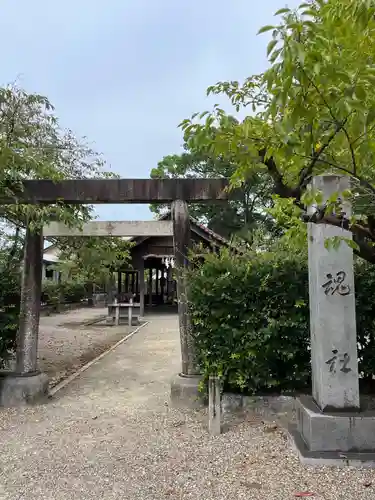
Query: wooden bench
<point x="119" y="312"/>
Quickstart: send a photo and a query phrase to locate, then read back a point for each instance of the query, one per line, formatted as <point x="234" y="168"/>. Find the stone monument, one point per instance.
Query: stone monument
<point x="331" y="425"/>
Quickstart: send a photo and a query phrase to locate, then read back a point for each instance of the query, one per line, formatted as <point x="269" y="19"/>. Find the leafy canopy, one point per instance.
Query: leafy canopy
<point x="311" y="111"/>
<point x="92" y="259"/>
<point x="34" y="146"/>
<point x="233" y="218"/>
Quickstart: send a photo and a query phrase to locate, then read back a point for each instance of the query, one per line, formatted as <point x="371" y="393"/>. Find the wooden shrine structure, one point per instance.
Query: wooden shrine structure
<point x="148" y="276"/>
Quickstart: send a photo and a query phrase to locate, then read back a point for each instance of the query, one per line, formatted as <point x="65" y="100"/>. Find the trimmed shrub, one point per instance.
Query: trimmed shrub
<point x="9" y="312"/>
<point x="251" y="320"/>
<point x="69" y="292"/>
<point x="73" y="291"/>
<point x="51" y="293"/>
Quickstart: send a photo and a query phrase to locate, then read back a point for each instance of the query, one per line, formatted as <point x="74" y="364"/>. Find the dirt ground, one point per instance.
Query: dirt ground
<point x="69" y="340"/>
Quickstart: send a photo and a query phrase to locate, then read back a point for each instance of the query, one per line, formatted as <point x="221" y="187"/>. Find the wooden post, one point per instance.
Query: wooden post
<point x="90" y="294"/>
<point x="130" y="312"/>
<point x="119" y="283"/>
<point x="181" y="243"/>
<point x="162" y="285"/>
<point x="126" y="282"/>
<point x="150" y="287"/>
<point x="117" y="313"/>
<point x="168" y="279"/>
<point x="136" y="282"/>
<point x="142" y="289"/>
<point x="110" y="289"/>
<point x="31" y="290"/>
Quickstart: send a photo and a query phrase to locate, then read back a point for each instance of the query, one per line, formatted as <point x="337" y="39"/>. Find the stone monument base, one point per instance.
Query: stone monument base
<point x="21" y="389"/>
<point x="333" y="438"/>
<point x="185" y="392"/>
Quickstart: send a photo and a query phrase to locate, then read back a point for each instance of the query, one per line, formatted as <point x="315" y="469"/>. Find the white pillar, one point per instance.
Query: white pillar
<point x="332" y="309"/>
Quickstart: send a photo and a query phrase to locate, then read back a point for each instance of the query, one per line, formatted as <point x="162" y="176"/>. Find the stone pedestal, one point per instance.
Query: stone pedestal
<point x="331" y="422"/>
<point x="185" y="392"/>
<point x="333" y="438"/>
<point x="22" y="389"/>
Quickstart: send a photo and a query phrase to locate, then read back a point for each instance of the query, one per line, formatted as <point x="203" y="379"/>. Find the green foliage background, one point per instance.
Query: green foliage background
<point x="9" y="310"/>
<point x="251" y="319"/>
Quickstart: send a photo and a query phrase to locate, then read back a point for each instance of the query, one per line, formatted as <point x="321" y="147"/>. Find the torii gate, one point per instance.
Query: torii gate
<point x="27" y="383"/>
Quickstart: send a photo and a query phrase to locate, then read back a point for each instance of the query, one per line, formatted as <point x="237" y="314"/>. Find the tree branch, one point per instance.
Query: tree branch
<point x="354" y="162"/>
<point x="307" y="172"/>
<point x="334" y="118"/>
<point x="280" y="187"/>
<point x="365" y="251"/>
<point x="359" y="178"/>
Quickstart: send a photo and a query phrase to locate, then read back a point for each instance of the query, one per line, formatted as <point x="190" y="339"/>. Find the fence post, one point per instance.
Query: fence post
<point x="214" y="405"/>
<point x="117" y="312"/>
<point x="130" y="312"/>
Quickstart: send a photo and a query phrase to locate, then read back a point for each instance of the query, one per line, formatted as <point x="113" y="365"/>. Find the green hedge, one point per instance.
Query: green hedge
<point x="9" y="310"/>
<point x="251" y="320"/>
<point x="69" y="292"/>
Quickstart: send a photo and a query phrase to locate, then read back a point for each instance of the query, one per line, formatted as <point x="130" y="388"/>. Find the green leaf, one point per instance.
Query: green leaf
<point x="309" y="12"/>
<point x="264" y="29"/>
<point x="285" y="10"/>
<point x="272" y="44"/>
<point x="370" y="117"/>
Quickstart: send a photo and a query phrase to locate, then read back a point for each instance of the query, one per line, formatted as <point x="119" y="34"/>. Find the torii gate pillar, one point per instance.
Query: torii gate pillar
<point x="184" y="387"/>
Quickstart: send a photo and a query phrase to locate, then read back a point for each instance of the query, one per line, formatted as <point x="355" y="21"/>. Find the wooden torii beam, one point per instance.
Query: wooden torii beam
<point x="110" y="228"/>
<point x="104" y="191"/>
<point x="177" y="192"/>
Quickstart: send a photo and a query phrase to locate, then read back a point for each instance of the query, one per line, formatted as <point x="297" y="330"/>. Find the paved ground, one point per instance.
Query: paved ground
<point x="112" y="435"/>
<point x="68" y="340"/>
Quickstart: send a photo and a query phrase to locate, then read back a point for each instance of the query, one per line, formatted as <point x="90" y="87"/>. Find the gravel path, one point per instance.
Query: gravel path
<point x="112" y="435"/>
<point x="69" y="340"/>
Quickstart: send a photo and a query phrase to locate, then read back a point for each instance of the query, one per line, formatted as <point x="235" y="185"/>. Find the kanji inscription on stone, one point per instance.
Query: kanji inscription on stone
<point x="335" y="284"/>
<point x="337" y="359"/>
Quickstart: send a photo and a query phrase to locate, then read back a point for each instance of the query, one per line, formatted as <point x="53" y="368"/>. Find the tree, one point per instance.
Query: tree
<point x="92" y="259"/>
<point x="312" y="111"/>
<point x="235" y="217"/>
<point x="33" y="146"/>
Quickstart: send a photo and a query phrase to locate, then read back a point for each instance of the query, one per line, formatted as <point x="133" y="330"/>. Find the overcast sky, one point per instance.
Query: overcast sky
<point x="124" y="73"/>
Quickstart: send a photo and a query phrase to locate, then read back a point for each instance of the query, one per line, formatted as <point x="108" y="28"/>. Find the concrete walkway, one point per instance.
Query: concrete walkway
<point x="112" y="435"/>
